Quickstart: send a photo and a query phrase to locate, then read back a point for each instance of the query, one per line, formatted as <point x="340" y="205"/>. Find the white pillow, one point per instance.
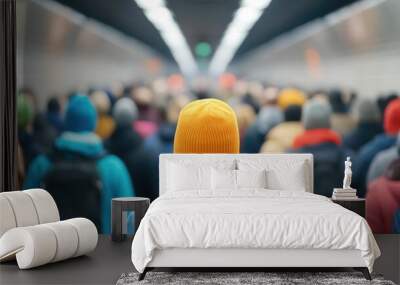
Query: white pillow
<point x="181" y="177"/>
<point x="251" y="178"/>
<point x="236" y="179"/>
<point x="281" y="174"/>
<point x="223" y="179"/>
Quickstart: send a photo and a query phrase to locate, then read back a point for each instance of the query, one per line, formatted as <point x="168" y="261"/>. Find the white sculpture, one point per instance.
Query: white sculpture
<point x="347" y="174"/>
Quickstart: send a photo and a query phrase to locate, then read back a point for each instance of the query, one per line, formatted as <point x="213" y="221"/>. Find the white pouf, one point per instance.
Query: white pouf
<point x="37" y="245"/>
<point x="23" y="208"/>
<point x="7" y="218"/>
<point x="26" y="208"/>
<point x="45" y="205"/>
<point x="31" y="231"/>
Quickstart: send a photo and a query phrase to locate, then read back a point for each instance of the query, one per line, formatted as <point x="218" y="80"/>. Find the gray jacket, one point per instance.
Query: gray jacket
<point x="382" y="161"/>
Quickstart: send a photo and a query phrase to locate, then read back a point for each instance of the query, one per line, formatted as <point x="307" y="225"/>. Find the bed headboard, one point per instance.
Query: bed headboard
<point x="277" y="161"/>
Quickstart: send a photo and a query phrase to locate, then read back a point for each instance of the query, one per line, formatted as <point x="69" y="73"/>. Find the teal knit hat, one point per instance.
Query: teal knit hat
<point x="81" y="116"/>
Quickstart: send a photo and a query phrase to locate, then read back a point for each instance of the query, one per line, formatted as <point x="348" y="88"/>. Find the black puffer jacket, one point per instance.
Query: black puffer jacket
<point x="128" y="145"/>
<point x="328" y="166"/>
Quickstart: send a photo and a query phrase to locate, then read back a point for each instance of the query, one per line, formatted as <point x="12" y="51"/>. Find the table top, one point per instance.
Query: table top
<point x="102" y="266"/>
<point x="348" y="200"/>
<point x="130" y="199"/>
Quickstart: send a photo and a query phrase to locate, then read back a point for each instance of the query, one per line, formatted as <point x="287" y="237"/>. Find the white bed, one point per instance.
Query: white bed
<point x="281" y="225"/>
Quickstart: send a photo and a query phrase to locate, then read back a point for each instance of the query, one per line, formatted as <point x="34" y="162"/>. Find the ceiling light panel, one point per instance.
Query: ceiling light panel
<point x="243" y="20"/>
<point x="163" y="20"/>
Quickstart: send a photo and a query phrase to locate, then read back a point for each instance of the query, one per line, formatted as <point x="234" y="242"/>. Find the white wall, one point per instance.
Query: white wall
<point x="59" y="50"/>
<point x="357" y="47"/>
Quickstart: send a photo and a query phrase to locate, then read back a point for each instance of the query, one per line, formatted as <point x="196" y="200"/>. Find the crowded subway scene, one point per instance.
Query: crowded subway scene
<point x="232" y="142"/>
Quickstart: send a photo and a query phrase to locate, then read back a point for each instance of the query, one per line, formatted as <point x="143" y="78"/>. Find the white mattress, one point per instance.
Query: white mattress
<point x="253" y="219"/>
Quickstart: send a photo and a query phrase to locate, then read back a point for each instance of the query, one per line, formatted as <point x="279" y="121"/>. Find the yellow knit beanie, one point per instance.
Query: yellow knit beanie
<point x="290" y="96"/>
<point x="207" y="126"/>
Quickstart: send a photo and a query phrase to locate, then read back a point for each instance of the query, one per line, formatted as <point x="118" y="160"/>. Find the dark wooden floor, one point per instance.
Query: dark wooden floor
<point x="389" y="262"/>
<point x="103" y="266"/>
<point x="110" y="260"/>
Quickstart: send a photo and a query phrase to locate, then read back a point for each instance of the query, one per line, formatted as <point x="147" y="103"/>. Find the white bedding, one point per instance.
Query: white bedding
<point x="250" y="219"/>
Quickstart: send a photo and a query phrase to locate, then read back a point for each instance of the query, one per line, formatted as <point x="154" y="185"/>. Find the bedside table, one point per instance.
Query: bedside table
<point x="357" y="206"/>
<point x="139" y="205"/>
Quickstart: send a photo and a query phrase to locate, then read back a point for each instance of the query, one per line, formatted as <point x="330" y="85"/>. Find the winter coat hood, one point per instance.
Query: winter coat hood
<point x="87" y="144"/>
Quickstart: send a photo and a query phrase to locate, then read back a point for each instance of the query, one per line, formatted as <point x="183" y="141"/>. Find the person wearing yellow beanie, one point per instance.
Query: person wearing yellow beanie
<point x="290" y="96"/>
<point x="105" y="123"/>
<point x="207" y="126"/>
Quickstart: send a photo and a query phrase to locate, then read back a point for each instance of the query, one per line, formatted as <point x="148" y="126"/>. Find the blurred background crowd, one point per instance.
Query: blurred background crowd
<point x="101" y="88"/>
<point x="114" y="136"/>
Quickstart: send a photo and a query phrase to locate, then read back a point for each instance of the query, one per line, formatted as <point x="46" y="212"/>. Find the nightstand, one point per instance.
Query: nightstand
<point x="139" y="205"/>
<point x="356" y="205"/>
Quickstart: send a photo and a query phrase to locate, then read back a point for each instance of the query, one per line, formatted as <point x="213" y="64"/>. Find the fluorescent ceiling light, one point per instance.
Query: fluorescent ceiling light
<point x="163" y="20"/>
<point x="149" y="4"/>
<point x="257" y="4"/>
<point x="243" y="20"/>
<point x="159" y="15"/>
<point x="246" y="16"/>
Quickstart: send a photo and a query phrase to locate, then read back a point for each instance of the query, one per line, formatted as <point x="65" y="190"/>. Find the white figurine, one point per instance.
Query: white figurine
<point x="347" y="174"/>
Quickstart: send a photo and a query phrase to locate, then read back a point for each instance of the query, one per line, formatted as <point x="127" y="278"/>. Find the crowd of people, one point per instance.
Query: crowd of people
<point x="108" y="141"/>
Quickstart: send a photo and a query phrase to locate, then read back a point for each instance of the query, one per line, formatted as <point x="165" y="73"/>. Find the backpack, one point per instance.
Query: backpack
<point x="75" y="185"/>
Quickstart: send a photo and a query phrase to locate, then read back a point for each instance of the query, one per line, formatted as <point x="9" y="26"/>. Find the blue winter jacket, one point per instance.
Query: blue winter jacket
<point x="113" y="173"/>
<point x="163" y="140"/>
<point x="361" y="135"/>
<point x="267" y="118"/>
<point x="160" y="142"/>
<point x="396" y="222"/>
<point x="56" y="121"/>
<point x="365" y="157"/>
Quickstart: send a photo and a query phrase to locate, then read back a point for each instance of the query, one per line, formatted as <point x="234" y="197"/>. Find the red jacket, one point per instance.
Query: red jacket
<point x="383" y="199"/>
<point x="316" y="136"/>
